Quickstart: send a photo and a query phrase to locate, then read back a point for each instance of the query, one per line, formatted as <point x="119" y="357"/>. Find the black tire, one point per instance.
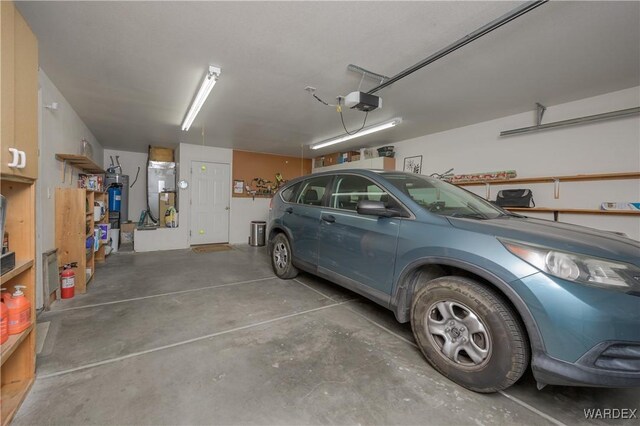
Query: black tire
<point x="281" y="258"/>
<point x="478" y="342"/>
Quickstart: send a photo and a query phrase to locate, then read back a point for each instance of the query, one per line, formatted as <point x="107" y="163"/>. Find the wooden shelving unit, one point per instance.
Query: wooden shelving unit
<point x="556" y="180"/>
<point x="74" y="225"/>
<point x="17" y="355"/>
<point x="19" y="130"/>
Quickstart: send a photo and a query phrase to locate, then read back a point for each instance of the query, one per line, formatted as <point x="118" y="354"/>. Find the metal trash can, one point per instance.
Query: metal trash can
<point x="257" y="233"/>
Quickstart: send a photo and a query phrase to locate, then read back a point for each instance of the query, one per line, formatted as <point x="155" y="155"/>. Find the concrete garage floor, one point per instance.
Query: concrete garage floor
<point x="186" y="338"/>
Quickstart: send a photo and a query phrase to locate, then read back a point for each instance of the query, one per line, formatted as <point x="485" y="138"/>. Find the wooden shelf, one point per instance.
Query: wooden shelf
<point x="551" y="179"/>
<point x="574" y="211"/>
<point x="14" y="341"/>
<point x="21" y="266"/>
<point x="12" y="396"/>
<point x="19" y="58"/>
<point x="81" y="162"/>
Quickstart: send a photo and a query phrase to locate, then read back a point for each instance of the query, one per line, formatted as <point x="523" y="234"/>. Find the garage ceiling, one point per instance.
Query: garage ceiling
<point x="130" y="69"/>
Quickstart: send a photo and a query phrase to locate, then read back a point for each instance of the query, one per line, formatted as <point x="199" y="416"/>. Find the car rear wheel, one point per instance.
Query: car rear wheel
<point x="281" y="258"/>
<point x="469" y="334"/>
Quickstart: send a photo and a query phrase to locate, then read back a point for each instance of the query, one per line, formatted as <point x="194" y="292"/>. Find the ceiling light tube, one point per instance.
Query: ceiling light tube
<point x="363" y="132"/>
<point x="207" y="84"/>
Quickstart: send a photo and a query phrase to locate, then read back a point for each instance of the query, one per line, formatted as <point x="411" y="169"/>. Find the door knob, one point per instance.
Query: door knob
<point x="289" y="210"/>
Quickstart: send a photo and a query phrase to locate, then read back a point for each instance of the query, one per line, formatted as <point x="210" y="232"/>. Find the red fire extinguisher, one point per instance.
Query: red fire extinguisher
<point x="68" y="281"/>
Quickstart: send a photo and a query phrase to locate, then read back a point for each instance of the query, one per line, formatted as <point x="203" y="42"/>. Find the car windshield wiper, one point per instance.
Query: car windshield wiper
<point x="509" y="214"/>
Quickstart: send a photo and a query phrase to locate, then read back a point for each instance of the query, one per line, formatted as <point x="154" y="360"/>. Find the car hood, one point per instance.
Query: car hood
<point x="557" y="235"/>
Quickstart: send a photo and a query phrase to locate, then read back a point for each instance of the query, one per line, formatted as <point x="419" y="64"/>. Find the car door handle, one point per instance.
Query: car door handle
<point x="288" y="210"/>
<point x="328" y="218"/>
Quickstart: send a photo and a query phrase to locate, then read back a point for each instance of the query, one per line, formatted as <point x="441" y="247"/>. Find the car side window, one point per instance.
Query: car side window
<point x="313" y="191"/>
<point x="290" y="192"/>
<point x="349" y="189"/>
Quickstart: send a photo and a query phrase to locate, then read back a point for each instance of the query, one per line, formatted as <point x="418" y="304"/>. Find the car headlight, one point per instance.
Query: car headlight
<point x="579" y="268"/>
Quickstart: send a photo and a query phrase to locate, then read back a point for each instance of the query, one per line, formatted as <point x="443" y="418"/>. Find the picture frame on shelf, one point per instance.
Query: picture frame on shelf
<point x="413" y="164"/>
<point x="238" y="186"/>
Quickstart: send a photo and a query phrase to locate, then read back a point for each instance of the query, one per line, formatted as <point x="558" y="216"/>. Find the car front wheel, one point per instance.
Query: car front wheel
<point x="281" y="261"/>
<point x="469" y="334"/>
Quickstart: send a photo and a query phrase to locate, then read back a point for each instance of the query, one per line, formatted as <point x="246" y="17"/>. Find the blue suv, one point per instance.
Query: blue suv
<point x="488" y="293"/>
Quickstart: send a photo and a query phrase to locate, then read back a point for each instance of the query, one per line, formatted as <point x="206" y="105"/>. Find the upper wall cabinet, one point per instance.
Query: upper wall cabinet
<point x="19" y="97"/>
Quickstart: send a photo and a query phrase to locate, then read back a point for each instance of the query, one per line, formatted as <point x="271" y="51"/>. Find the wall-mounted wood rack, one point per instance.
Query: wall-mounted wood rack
<point x="552" y="179"/>
<point x="556" y="181"/>
<point x="81" y="162"/>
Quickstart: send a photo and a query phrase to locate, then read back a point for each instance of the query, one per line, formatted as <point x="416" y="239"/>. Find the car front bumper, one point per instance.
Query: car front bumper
<point x="618" y="371"/>
<point x="590" y="336"/>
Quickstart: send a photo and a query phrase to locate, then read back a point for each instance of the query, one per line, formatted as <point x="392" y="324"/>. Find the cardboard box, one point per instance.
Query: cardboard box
<point x="331" y="159"/>
<point x="347" y="157"/>
<point x="167" y="199"/>
<point x="127" y="227"/>
<point x="158" y="153"/>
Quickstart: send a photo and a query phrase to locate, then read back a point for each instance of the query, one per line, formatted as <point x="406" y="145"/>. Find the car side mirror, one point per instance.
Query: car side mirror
<point x="377" y="208"/>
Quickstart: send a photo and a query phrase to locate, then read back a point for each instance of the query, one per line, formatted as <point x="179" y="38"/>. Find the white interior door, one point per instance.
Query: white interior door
<point x="210" y="191"/>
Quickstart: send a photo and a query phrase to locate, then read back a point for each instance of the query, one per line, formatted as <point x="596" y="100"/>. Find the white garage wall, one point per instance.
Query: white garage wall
<point x="601" y="147"/>
<point x="243" y="211"/>
<point x="130" y="162"/>
<point x="60" y="131"/>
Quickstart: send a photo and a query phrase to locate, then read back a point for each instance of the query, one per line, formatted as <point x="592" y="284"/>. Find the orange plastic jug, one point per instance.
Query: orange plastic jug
<point x="4" y="323"/>
<point x="19" y="311"/>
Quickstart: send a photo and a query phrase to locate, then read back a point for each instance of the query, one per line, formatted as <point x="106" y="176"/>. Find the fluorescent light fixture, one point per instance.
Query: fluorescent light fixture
<point x="207" y="84"/>
<point x="363" y="132"/>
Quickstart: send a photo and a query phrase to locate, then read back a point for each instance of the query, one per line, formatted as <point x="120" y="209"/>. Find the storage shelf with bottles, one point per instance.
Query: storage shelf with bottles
<point x="100" y="254"/>
<point x="18" y="352"/>
<point x="75" y="224"/>
<point x="378" y="163"/>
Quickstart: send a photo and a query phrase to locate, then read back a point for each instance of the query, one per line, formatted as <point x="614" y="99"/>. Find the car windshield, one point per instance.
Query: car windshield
<point x="443" y="198"/>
